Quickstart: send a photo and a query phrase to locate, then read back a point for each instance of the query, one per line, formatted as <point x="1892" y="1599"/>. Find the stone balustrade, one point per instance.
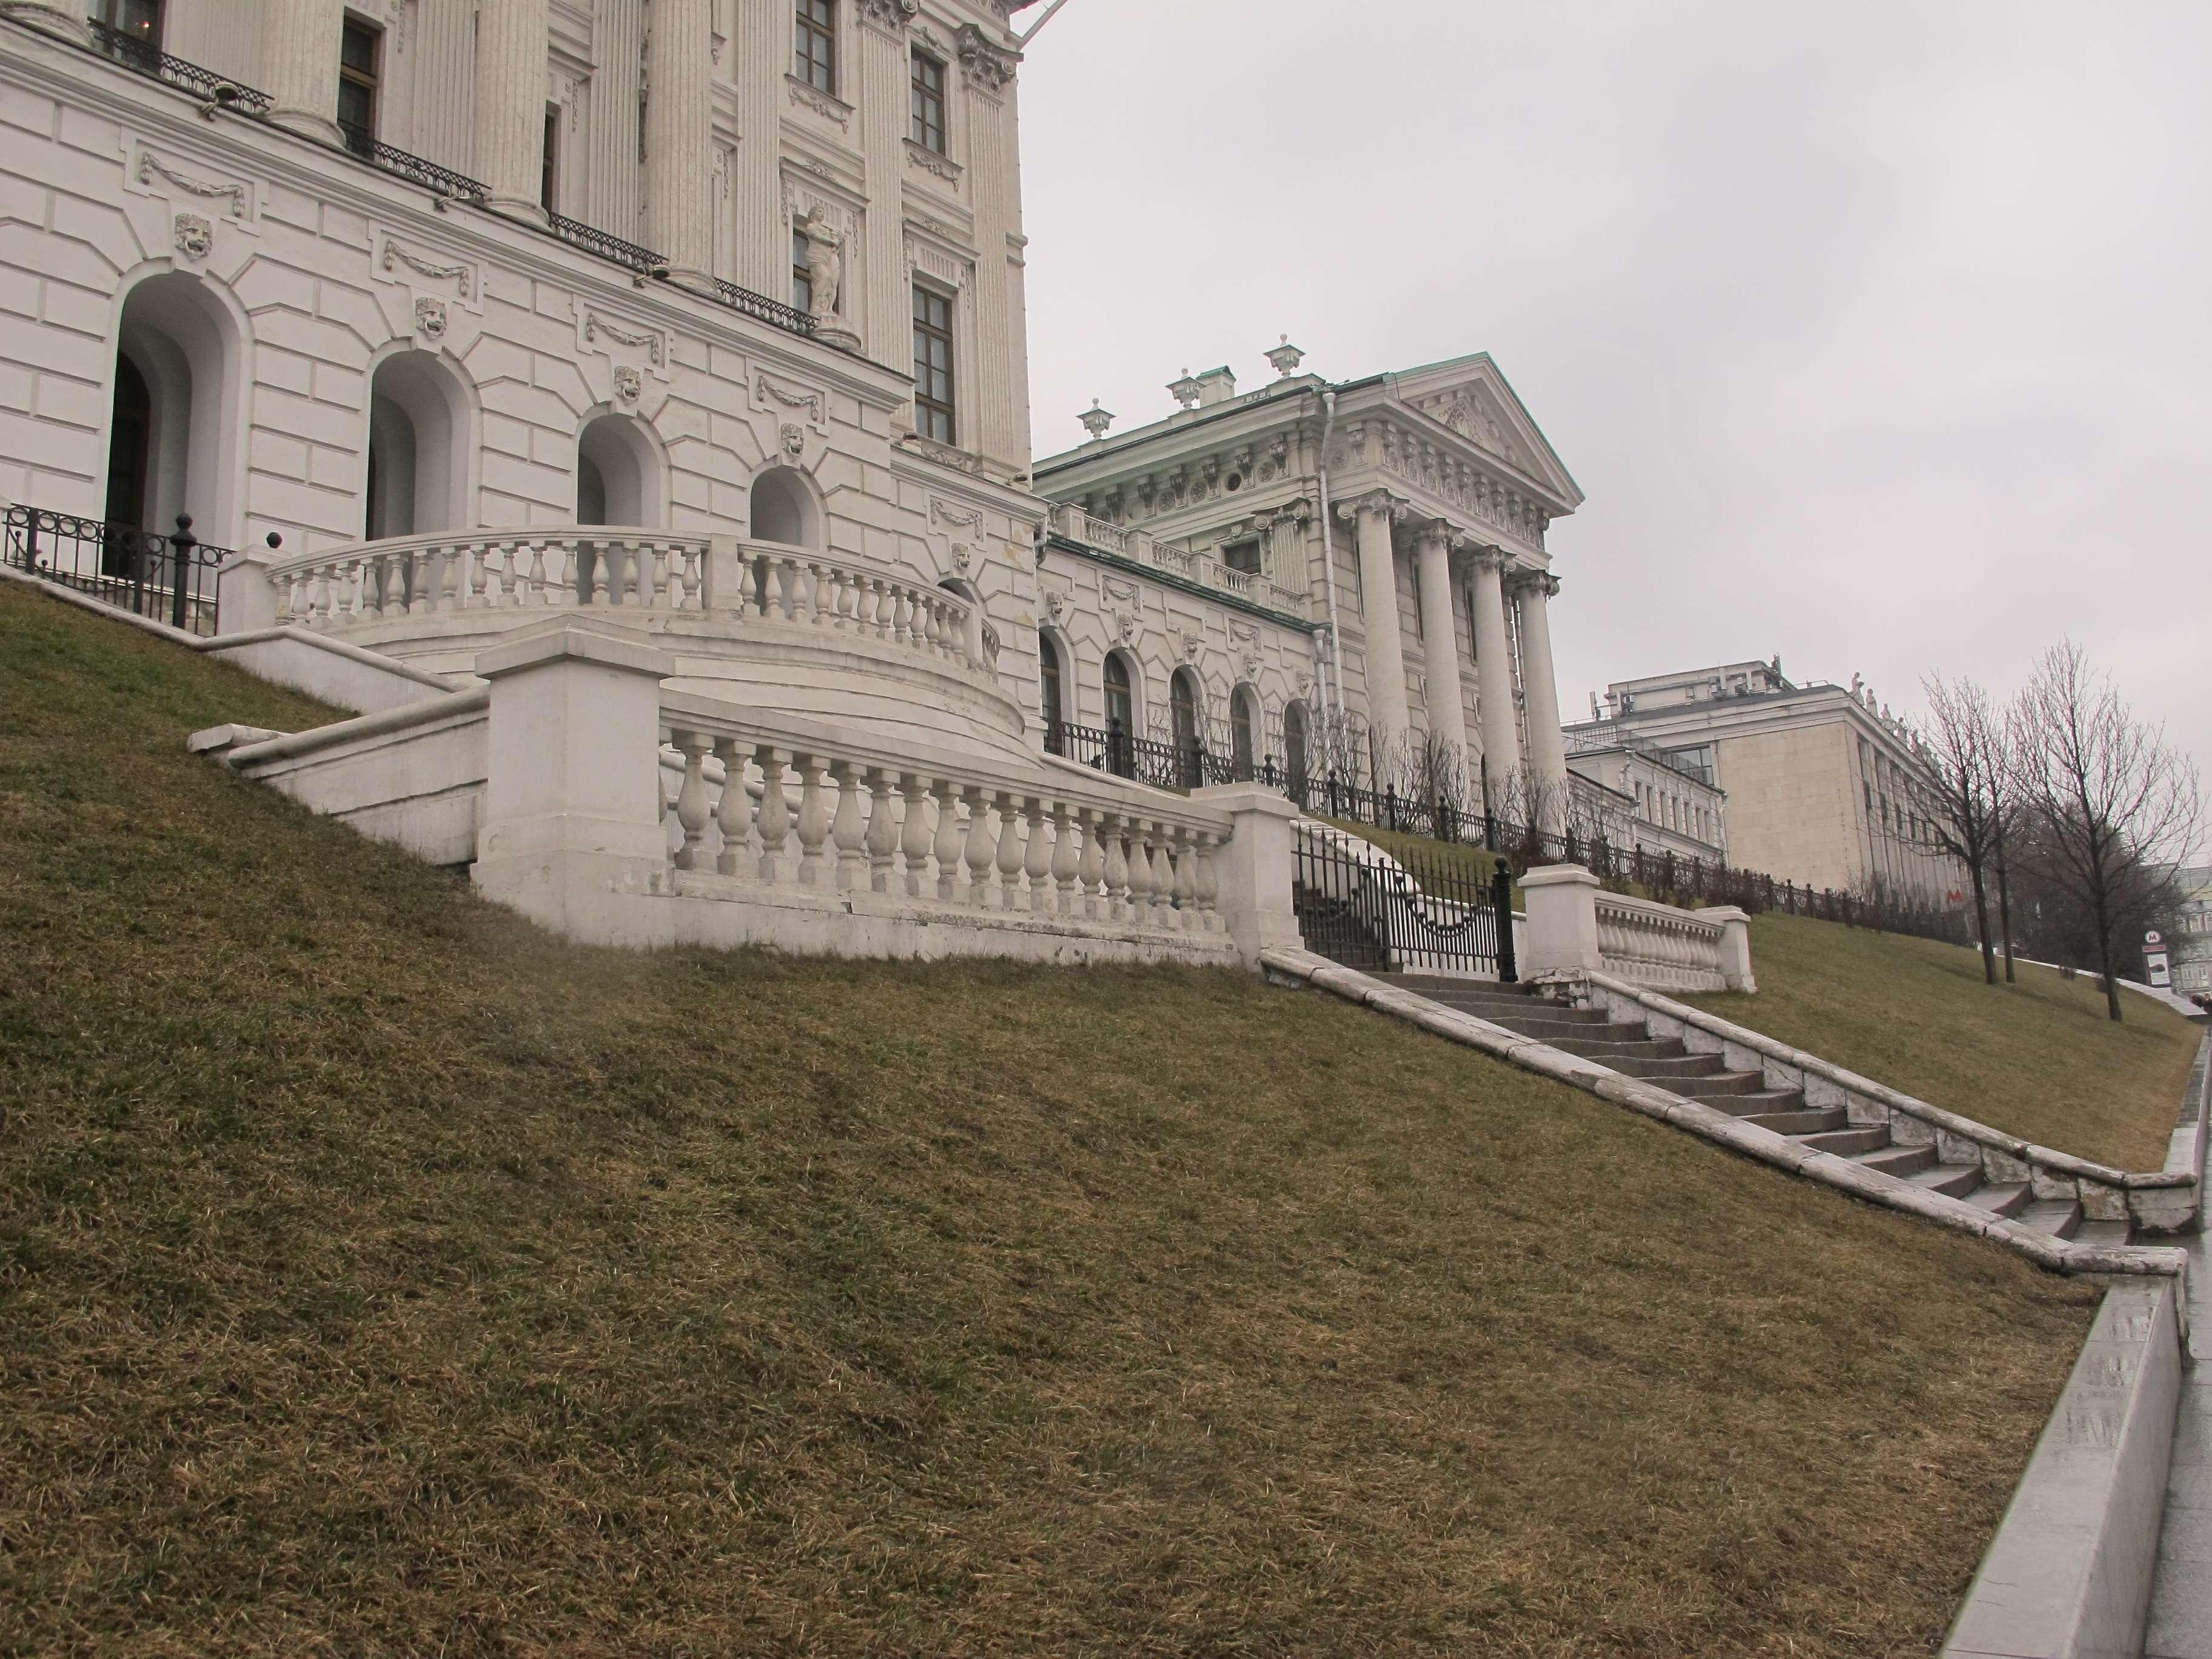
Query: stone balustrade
<point x="1138" y="547"/>
<point x="1659" y="945"/>
<point x="836" y="813"/>
<point x="529" y="573"/>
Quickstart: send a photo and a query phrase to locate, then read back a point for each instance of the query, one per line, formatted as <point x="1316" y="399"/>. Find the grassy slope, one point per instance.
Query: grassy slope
<point x="2037" y="1058"/>
<point x="377" y="1276"/>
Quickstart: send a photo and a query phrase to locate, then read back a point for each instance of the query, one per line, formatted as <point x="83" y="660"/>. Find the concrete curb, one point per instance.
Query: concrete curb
<point x="2069" y="1574"/>
<point x="1710" y="1123"/>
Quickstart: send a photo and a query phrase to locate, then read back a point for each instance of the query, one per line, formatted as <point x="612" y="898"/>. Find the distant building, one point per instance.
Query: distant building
<point x="1649" y="800"/>
<point x="1823" y="785"/>
<point x="2191" y="944"/>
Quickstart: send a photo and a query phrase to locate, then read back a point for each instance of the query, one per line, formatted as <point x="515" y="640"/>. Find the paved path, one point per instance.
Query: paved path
<point x="2181" y="1593"/>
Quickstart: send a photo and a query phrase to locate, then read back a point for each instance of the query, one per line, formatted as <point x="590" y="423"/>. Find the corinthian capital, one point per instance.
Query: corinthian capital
<point x="1487" y="559"/>
<point x="1541" y="582"/>
<point x="1375" y="500"/>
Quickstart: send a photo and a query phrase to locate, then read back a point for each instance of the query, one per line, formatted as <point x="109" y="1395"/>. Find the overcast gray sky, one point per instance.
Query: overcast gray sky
<point x="1876" y="336"/>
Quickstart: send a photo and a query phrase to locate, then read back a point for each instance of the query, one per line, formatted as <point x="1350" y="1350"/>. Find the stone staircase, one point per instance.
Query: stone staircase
<point x="1631" y="1050"/>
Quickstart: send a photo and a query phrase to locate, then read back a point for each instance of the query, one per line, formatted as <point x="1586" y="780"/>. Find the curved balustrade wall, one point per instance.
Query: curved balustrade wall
<point x="1659" y="945"/>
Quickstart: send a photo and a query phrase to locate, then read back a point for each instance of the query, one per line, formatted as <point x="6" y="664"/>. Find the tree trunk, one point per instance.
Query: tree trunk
<point x="2004" y="916"/>
<point x="2104" y="963"/>
<point x="1982" y="923"/>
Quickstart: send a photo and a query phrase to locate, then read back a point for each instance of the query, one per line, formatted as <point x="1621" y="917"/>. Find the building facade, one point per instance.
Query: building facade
<point x="1824" y="786"/>
<point x="1353" y="577"/>
<point x="1649" y="801"/>
<point x="2191" y="946"/>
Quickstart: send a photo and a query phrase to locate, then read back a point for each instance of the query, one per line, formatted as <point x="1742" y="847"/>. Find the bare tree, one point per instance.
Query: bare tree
<point x="1962" y="804"/>
<point x="2113" y="807"/>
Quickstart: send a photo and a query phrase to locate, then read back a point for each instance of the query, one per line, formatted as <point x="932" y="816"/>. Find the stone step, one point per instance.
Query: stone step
<point x="1550" y="1031"/>
<point x="1849" y="1143"/>
<point x="1492" y="1006"/>
<point x="2059" y="1217"/>
<point x="2004" y="1198"/>
<point x="1899" y="1161"/>
<point x="1765" y="1100"/>
<point x="1592" y="1049"/>
<point x="1660" y="1071"/>
<point x="1805" y="1120"/>
<point x="1720" y="1084"/>
<point x="1954" y="1180"/>
<point x="2101" y="1233"/>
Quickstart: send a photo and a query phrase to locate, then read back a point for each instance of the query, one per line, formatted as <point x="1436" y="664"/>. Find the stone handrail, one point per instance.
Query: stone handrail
<point x="1656" y="943"/>
<point x="602" y="568"/>
<point x="837" y="810"/>
<point x="2163" y="1200"/>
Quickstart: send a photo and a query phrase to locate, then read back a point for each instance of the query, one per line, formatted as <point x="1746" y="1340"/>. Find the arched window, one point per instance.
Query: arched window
<point x="1242" y="714"/>
<point x="1120" y="716"/>
<point x="1295" y="768"/>
<point x="784" y="509"/>
<point x="173" y="439"/>
<point x="1183" y="697"/>
<point x="417" y="447"/>
<point x="1051" y="695"/>
<point x="619" y="477"/>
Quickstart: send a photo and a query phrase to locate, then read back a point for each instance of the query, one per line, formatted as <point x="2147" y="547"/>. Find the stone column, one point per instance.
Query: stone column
<point x="679" y="138"/>
<point x="55" y="16"/>
<point x="1386" y="716"/>
<point x="510" y="149"/>
<point x="1494" y="667"/>
<point x="1256" y="867"/>
<point x="1440" y="634"/>
<point x="1560" y="901"/>
<point x="299" y="41"/>
<point x="1547" y="743"/>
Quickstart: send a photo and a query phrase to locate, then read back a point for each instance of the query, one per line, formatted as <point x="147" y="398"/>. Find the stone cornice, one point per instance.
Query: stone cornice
<point x="1061" y="544"/>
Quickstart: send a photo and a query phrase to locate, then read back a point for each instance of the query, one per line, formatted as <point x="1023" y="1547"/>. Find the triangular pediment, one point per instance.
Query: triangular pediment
<point x="1469" y="395"/>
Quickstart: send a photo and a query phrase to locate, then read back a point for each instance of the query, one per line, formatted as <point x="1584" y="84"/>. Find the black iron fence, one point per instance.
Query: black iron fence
<point x="1143" y="760"/>
<point x="169" y="578"/>
<point x="1413" y="912"/>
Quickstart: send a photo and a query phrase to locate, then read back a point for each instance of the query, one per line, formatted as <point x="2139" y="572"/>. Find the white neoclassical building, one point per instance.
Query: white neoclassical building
<point x="1353" y="576"/>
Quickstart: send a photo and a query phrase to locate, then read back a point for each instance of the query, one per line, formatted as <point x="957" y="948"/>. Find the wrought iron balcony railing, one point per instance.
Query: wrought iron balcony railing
<point x="145" y="58"/>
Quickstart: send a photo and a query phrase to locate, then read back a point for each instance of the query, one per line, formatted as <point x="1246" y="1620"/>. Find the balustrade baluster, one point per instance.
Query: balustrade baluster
<point x="882" y="829"/>
<point x="733" y="813"/>
<point x="945" y="849"/>
<point x="691" y="800"/>
<point x="914" y="837"/>
<point x="813" y="823"/>
<point x="775" y="819"/>
<point x="1091" y="866"/>
<point x="881" y="597"/>
<point x="1186" y="880"/>
<point x="1065" y="861"/>
<point x="1011" y="859"/>
<point x="976" y="889"/>
<point x="1116" y="871"/>
<point x="1209" y="882"/>
<point x="848" y="829"/>
<point x="1140" y="906"/>
<point x="842" y="592"/>
<point x="1036" y="858"/>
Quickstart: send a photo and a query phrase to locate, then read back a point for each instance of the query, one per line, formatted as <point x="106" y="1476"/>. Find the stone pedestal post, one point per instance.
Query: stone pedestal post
<point x="1494" y="667"/>
<point x="1561" y="937"/>
<point x="510" y="153"/>
<point x="1254" y="870"/>
<point x="1547" y="743"/>
<point x="299" y="41"/>
<point x="1387" y="720"/>
<point x="1440" y="638"/>
<point x="245" y="599"/>
<point x="679" y="137"/>
<point x="1735" y="946"/>
<point x="55" y="16"/>
<point x="571" y="833"/>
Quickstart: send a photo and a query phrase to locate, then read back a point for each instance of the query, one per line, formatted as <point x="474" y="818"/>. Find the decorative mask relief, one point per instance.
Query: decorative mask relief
<point x="794" y="442"/>
<point x="195" y="236"/>
<point x="629" y="384"/>
<point x="430" y="320"/>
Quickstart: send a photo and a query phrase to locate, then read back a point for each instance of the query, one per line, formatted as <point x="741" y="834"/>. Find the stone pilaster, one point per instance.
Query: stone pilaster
<point x="1386" y="712"/>
<point x="510" y="146"/>
<point x="882" y="309"/>
<point x="54" y="16"/>
<point x="679" y="137"/>
<point x="300" y="65"/>
<point x="759" y="58"/>
<point x="1494" y="666"/>
<point x="1547" y="743"/>
<point x="998" y="423"/>
<point x="1447" y="698"/>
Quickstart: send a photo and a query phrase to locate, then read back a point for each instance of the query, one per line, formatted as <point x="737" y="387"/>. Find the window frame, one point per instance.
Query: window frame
<point x="814" y="45"/>
<point x="105" y="14"/>
<point x="802" y="272"/>
<point x="929" y="409"/>
<point x="370" y="81"/>
<point x="548" y="171"/>
<point x="921" y="96"/>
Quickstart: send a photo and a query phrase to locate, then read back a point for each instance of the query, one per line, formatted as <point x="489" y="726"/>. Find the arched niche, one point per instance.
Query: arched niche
<point x="1055" y="689"/>
<point x="784" y="508"/>
<point x="1122" y="683"/>
<point x="419" y="422"/>
<point x="1244" y="734"/>
<point x="1297" y="743"/>
<point x="174" y="435"/>
<point x="622" y="477"/>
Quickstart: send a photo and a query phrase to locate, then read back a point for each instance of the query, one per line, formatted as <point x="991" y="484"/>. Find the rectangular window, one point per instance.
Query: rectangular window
<point x="360" y="51"/>
<point x="802" y="274"/>
<point x="928" y="102"/>
<point x="933" y="366"/>
<point x="815" y="59"/>
<point x="139" y="20"/>
<point x="1242" y="556"/>
<point x="549" y="179"/>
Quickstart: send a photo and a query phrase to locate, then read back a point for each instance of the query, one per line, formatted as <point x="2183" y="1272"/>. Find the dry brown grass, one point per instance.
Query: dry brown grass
<point x="378" y="1277"/>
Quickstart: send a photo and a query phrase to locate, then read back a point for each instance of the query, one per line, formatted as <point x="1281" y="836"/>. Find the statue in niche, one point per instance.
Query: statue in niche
<point x="826" y="259"/>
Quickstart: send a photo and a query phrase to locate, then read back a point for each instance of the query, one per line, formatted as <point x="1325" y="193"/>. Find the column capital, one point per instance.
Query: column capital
<point x="1491" y="559"/>
<point x="1535" y="581"/>
<point x="1374" y="501"/>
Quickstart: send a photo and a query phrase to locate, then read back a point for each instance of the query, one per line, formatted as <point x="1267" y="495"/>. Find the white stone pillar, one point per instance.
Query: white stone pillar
<point x="1254" y="870"/>
<point x="1560" y="901"/>
<point x="1735" y="946"/>
<point x="1440" y="637"/>
<point x="299" y="41"/>
<point x="510" y="148"/>
<point x="1494" y="667"/>
<point x="881" y="309"/>
<point x="679" y="137"/>
<point x="54" y="16"/>
<point x="1387" y="715"/>
<point x="1547" y="743"/>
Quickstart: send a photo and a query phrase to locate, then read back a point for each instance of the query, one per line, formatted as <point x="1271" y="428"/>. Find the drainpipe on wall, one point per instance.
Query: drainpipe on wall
<point x="1328" y="556"/>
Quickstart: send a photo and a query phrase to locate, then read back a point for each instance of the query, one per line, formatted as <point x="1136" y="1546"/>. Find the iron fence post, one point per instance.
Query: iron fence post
<point x="181" y="548"/>
<point x="1501" y="903"/>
